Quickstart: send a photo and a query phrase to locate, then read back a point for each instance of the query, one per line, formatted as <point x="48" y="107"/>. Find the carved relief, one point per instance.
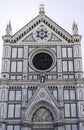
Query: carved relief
<point x="42" y="115"/>
<point x="42" y="104"/>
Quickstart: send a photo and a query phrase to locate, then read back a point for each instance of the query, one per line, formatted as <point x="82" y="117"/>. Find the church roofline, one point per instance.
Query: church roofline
<point x="58" y="25"/>
<point x="38" y="19"/>
<point x="24" y="26"/>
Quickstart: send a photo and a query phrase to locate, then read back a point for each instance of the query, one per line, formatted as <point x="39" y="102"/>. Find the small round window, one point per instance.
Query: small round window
<point x="42" y="61"/>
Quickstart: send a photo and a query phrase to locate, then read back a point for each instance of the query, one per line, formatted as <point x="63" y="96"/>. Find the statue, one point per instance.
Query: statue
<point x="42" y="78"/>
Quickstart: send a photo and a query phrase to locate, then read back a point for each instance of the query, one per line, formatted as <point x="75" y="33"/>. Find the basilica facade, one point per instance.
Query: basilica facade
<point x="42" y="85"/>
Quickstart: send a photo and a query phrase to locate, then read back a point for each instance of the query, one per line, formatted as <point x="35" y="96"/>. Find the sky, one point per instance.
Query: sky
<point x="21" y="12"/>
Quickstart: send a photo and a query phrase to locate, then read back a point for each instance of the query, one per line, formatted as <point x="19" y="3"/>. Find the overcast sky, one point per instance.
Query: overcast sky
<point x="20" y="12"/>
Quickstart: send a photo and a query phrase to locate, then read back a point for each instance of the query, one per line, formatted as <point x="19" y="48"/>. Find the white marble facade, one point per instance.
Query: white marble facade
<point x="42" y="85"/>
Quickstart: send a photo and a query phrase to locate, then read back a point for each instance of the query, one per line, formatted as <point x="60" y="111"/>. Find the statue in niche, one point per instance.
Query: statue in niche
<point x="42" y="78"/>
<point x="42" y="115"/>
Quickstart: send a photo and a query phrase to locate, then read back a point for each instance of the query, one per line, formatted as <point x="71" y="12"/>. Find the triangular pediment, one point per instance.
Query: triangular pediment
<point x="41" y="33"/>
<point x="26" y="34"/>
<point x="42" y="97"/>
<point x="43" y="94"/>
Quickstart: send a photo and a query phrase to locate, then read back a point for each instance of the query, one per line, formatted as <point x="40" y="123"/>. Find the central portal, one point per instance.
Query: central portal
<point x="42" y="119"/>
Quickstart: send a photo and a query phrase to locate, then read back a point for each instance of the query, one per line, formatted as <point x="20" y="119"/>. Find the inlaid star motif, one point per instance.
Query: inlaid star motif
<point x="42" y="34"/>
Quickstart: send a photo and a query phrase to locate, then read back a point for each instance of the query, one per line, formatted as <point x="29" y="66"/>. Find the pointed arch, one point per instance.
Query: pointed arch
<point x="42" y="114"/>
<point x="42" y="103"/>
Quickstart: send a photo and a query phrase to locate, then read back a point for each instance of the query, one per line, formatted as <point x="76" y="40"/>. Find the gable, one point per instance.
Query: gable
<point x="30" y="38"/>
<point x="41" y="34"/>
<point x="42" y="97"/>
<point x="27" y="33"/>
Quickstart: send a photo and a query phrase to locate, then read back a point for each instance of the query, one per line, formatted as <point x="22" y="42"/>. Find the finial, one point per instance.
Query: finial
<point x="41" y="9"/>
<point x="9" y="28"/>
<point x="74" y="28"/>
<point x="73" y="24"/>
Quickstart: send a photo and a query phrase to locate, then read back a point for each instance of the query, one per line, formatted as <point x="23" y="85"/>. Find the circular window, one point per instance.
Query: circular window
<point x="42" y="61"/>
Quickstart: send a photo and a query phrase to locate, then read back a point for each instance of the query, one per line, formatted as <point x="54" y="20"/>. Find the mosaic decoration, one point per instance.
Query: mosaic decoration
<point x="42" y="34"/>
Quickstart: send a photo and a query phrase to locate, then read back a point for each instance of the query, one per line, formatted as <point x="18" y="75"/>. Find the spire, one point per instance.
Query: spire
<point x="74" y="28"/>
<point x="41" y="10"/>
<point x="9" y="28"/>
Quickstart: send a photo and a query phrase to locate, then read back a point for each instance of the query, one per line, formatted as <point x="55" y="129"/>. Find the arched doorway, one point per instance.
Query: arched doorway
<point x="42" y="115"/>
<point x="42" y="119"/>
